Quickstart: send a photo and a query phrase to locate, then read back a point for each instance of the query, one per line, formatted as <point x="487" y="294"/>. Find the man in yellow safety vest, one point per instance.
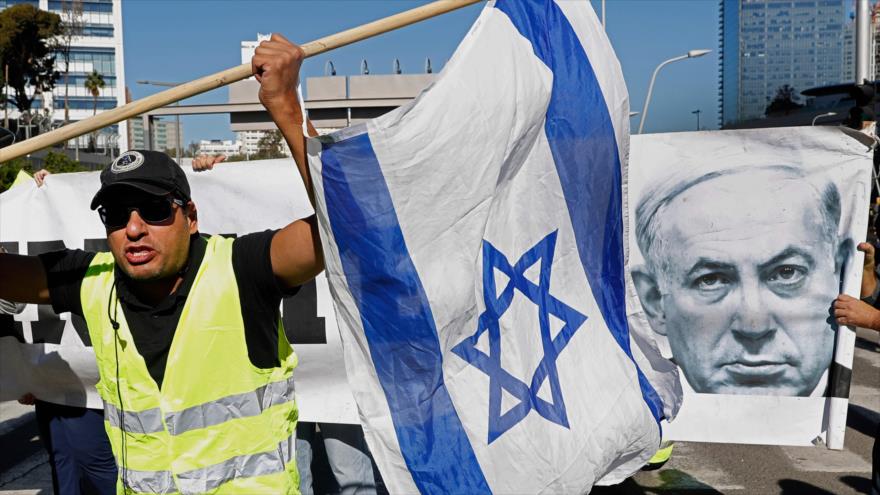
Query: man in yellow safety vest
<point x="196" y="371"/>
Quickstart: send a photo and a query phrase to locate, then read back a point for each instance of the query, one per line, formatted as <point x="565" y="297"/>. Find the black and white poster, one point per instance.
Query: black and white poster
<point x="739" y="242"/>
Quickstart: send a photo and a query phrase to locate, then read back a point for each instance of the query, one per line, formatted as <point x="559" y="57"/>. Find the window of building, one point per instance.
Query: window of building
<point x="105" y="6"/>
<point x="102" y="60"/>
<point x="79" y="103"/>
<point x="79" y="79"/>
<point x="101" y="30"/>
<point x="10" y="3"/>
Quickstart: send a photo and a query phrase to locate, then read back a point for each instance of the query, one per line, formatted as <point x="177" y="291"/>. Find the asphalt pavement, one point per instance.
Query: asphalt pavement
<point x="712" y="468"/>
<point x="695" y="468"/>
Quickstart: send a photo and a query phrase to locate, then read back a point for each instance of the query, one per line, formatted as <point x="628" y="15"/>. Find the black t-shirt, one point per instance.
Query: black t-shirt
<point x="152" y="327"/>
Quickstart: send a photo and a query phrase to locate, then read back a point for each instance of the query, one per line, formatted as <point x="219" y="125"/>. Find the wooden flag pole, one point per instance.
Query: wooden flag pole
<point x="225" y="77"/>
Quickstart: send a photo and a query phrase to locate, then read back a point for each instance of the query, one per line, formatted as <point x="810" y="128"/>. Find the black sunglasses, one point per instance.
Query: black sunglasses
<point x="152" y="211"/>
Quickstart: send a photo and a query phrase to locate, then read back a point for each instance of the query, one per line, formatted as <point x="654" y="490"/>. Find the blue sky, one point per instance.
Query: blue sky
<point x="180" y="40"/>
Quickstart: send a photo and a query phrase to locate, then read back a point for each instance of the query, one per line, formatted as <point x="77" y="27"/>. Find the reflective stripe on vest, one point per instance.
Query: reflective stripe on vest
<point x="148" y="481"/>
<point x="208" y="414"/>
<point x="217" y="423"/>
<point x="149" y="421"/>
<point x="211" y="477"/>
<point x="230" y="407"/>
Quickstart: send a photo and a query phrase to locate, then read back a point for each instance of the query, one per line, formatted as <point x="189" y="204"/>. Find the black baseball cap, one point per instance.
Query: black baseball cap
<point x="152" y="172"/>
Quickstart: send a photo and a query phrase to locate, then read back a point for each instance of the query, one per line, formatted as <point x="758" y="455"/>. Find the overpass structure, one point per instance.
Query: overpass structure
<point x="332" y="102"/>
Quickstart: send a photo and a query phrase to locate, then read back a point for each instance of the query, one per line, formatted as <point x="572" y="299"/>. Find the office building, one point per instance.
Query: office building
<point x="250" y="139"/>
<point x="766" y="44"/>
<point x="99" y="48"/>
<point x="165" y="134"/>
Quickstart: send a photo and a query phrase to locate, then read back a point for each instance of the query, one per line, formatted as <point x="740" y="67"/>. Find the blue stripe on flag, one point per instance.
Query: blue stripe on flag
<point x="397" y="320"/>
<point x="584" y="147"/>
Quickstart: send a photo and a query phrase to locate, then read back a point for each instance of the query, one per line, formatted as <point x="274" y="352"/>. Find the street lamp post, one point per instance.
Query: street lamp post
<point x="817" y="117"/>
<point x="697" y="113"/>
<point x="690" y="54"/>
<point x="176" y="117"/>
<point x="5" y="96"/>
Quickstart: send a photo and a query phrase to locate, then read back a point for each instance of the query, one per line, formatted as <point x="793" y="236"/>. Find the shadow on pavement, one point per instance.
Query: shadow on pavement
<point x="671" y="481"/>
<point x="795" y="487"/>
<point x="25" y="438"/>
<point x="862" y="419"/>
<point x="628" y="487"/>
<point x="863" y="343"/>
<point x="858" y="483"/>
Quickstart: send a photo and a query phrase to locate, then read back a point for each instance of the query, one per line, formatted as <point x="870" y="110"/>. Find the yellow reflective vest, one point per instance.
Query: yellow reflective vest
<point x="218" y="424"/>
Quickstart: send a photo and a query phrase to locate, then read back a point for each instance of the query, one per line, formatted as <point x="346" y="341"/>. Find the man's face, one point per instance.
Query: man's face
<point x="150" y="250"/>
<point x="748" y="283"/>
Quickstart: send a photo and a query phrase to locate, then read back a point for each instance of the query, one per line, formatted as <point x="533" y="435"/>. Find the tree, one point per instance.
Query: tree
<point x="784" y="102"/>
<point x="72" y="24"/>
<point x="59" y="163"/>
<point x="94" y="84"/>
<point x="236" y="158"/>
<point x="271" y="145"/>
<point x="56" y="163"/>
<point x="27" y="45"/>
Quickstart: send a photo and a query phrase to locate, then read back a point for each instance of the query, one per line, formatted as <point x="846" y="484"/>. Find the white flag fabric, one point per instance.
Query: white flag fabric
<point x="474" y="245"/>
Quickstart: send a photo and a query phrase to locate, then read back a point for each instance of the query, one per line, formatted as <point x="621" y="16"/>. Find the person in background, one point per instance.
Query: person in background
<point x="80" y="457"/>
<point x="196" y="370"/>
<point x="864" y="313"/>
<point x="40" y="177"/>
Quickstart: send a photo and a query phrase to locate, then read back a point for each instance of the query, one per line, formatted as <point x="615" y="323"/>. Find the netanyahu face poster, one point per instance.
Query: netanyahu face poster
<point x="739" y="242"/>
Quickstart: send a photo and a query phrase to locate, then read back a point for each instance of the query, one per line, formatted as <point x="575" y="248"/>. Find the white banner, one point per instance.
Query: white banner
<point x="739" y="243"/>
<point x="793" y="410"/>
<point x="46" y="356"/>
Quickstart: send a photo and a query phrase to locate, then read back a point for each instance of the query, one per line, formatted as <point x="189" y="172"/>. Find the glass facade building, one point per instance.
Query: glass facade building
<point x="766" y="44"/>
<point x="98" y="48"/>
<point x="165" y="134"/>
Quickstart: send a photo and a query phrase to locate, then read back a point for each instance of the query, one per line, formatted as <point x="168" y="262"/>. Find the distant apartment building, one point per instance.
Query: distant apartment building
<point x="165" y="134"/>
<point x="99" y="48"/>
<point x="250" y="139"/>
<point x="766" y="44"/>
<point x="250" y="142"/>
<point x="219" y="147"/>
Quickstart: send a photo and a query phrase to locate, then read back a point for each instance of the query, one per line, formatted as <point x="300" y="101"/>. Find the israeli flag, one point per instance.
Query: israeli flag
<point x="474" y="246"/>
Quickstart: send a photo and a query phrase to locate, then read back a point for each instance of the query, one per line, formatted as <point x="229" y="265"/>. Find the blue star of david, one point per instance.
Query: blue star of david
<point x="496" y="306"/>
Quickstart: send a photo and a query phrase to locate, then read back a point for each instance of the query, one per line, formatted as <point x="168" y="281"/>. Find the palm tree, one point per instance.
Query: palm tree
<point x="94" y="84"/>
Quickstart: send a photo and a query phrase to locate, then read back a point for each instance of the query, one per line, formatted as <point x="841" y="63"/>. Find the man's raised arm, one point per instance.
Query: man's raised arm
<point x="23" y="279"/>
<point x="296" y="251"/>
